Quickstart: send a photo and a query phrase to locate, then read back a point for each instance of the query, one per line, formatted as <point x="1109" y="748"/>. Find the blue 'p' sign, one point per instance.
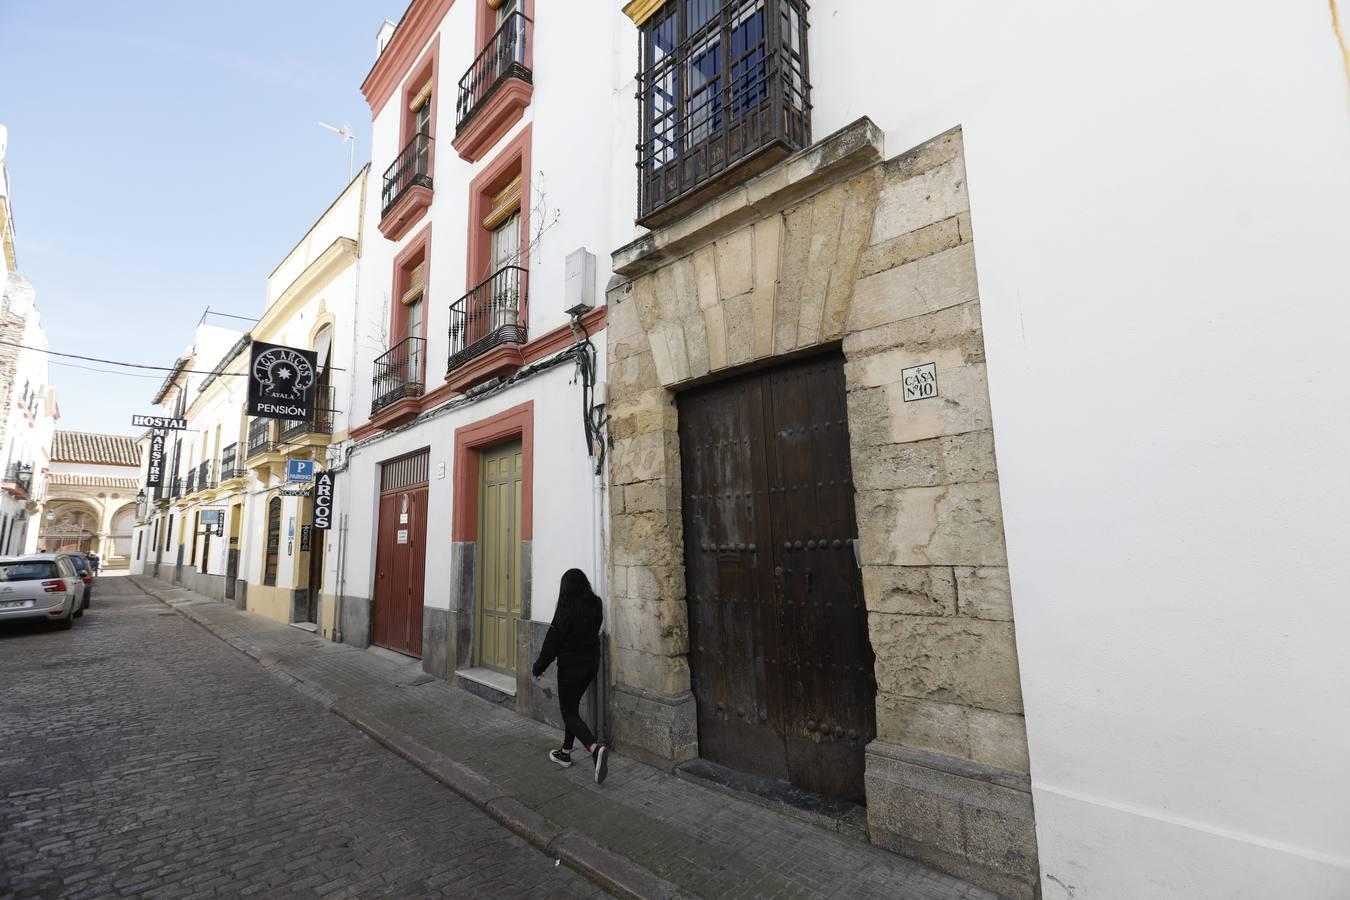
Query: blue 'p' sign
<point x="300" y="471"/>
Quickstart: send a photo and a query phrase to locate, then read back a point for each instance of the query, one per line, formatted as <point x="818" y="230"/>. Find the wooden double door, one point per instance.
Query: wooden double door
<point x="401" y="555"/>
<point x="780" y="660"/>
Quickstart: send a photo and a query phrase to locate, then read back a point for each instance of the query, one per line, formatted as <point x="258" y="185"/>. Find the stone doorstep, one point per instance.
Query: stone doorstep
<point x="839" y="816"/>
<point x="490" y="679"/>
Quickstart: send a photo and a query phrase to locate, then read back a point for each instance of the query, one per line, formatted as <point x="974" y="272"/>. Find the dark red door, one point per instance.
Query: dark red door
<point x="400" y="555"/>
<point x="779" y="653"/>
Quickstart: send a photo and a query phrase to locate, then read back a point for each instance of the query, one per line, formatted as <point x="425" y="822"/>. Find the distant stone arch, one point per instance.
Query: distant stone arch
<point x="69" y="526"/>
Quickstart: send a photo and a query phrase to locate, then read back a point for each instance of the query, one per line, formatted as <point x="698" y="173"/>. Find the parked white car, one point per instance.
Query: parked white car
<point x="43" y="586"/>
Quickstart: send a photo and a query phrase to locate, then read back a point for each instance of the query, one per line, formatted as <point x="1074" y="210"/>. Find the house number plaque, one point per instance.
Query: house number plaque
<point x="920" y="382"/>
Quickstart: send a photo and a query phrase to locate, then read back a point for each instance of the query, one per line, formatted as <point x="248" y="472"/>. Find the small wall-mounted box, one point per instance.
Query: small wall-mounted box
<point x="579" y="282"/>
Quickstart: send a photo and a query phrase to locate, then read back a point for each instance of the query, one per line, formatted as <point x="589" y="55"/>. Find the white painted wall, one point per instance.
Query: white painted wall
<point x="570" y="177"/>
<point x="1161" y="204"/>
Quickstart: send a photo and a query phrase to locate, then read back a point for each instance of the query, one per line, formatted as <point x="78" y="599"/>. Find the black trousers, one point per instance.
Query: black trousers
<point x="572" y="683"/>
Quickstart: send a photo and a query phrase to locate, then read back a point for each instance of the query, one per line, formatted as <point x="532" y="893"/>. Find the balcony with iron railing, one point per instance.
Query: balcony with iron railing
<point x="724" y="94"/>
<point x="204" y="480"/>
<point x="398" y="380"/>
<point x="189" y="483"/>
<point x="18" y="480"/>
<point x="319" y="423"/>
<point x="260" y="439"/>
<point x="407" y="190"/>
<point x="487" y="329"/>
<point x="496" y="89"/>
<point x="229" y="468"/>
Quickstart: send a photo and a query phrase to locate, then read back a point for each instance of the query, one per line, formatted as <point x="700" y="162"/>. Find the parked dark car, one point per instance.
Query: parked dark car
<point x="86" y="574"/>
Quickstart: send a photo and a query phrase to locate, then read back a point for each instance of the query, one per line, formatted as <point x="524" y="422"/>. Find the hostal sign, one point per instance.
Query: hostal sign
<point x="281" y="382"/>
<point x="154" y="475"/>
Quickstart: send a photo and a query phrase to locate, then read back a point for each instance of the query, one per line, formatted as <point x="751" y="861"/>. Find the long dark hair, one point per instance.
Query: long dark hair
<point x="575" y="590"/>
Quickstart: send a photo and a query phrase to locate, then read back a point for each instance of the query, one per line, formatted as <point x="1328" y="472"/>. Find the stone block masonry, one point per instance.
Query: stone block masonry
<point x="839" y="247"/>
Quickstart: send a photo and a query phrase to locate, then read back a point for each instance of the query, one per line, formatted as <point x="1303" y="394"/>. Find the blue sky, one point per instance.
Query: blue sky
<point x="163" y="158"/>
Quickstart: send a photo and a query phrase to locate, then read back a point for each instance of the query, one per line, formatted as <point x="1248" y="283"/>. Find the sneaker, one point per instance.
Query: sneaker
<point x="560" y="757"/>
<point x="601" y="763"/>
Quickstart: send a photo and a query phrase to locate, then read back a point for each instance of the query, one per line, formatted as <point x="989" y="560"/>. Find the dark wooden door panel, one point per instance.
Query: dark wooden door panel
<point x="779" y="657"/>
<point x="400" y="565"/>
<point x="831" y="714"/>
<point x="729" y="578"/>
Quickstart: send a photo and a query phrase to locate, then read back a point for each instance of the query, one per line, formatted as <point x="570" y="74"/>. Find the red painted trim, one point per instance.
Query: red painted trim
<point x="561" y="338"/>
<point x="504" y="360"/>
<point x="365" y="430"/>
<point x="419" y="246"/>
<point x="397" y="413"/>
<point x="493" y="120"/>
<point x="429" y="66"/>
<point x="514" y="158"/>
<point x="518" y="421"/>
<point x="416" y="27"/>
<point x="407" y="212"/>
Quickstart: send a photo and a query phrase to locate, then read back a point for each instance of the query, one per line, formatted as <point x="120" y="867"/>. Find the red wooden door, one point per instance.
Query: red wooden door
<point x="400" y="556"/>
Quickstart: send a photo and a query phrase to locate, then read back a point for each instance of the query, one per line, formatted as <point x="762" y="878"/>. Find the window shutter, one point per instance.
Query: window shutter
<point x="504" y="204"/>
<point x="420" y="97"/>
<point x="416" y="284"/>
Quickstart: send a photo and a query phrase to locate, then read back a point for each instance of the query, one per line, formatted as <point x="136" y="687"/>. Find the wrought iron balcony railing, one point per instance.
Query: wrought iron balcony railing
<point x="492" y="313"/>
<point x="204" y="480"/>
<point x="719" y="88"/>
<point x="320" y="420"/>
<point x="502" y="58"/>
<point x="399" y="373"/>
<point x="228" y="467"/>
<point x="412" y="167"/>
<point x="21" y="475"/>
<point x="260" y="438"/>
<point x="190" y="482"/>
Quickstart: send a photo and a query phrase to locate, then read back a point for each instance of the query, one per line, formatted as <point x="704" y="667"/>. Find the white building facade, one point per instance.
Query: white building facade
<point x="28" y="410"/>
<point x="226" y="523"/>
<point x="1053" y="232"/>
<point x="474" y="481"/>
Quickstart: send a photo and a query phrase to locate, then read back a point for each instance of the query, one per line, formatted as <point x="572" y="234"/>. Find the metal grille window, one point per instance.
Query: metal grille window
<point x="724" y="82"/>
<point x="405" y="472"/>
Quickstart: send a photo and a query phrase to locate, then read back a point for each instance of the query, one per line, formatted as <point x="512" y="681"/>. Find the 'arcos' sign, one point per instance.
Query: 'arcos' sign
<point x="323" y="501"/>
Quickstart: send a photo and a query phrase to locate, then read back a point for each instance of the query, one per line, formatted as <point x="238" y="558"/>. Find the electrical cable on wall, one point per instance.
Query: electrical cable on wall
<point x="593" y="416"/>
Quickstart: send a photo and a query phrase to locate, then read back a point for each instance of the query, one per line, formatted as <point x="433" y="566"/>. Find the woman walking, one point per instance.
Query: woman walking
<point x="574" y="641"/>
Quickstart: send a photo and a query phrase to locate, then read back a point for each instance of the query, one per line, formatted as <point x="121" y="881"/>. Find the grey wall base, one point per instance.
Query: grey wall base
<point x="658" y="729"/>
<point x="208" y="585"/>
<point x="356" y="621"/>
<point x="969" y="820"/>
<point x="185" y="576"/>
<point x="436" y="641"/>
<point x="538" y="698"/>
<point x="240" y="600"/>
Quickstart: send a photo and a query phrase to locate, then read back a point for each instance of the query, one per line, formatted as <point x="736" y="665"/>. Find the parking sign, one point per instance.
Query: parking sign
<point x="300" y="471"/>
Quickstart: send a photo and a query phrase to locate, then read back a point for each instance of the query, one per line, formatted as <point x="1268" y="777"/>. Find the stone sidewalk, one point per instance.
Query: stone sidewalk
<point x="645" y="833"/>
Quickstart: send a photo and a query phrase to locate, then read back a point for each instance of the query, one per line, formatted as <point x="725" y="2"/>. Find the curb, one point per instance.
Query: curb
<point x="611" y="871"/>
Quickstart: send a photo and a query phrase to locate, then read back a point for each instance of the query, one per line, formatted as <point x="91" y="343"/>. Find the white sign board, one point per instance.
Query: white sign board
<point x="403" y="535"/>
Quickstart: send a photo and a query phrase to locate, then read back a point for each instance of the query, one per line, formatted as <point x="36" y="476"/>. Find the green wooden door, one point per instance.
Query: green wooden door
<point x="499" y="556"/>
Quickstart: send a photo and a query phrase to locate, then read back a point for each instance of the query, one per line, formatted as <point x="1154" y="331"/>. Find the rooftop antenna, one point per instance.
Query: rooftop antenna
<point x="349" y="138"/>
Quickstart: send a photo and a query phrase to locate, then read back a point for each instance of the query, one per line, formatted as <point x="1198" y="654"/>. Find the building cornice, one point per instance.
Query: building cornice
<point x="414" y="30"/>
<point x="641" y="10"/>
<point x="327" y="266"/>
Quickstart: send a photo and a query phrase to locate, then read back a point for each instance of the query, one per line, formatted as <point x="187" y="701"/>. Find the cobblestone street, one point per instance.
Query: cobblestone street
<point x="143" y="757"/>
